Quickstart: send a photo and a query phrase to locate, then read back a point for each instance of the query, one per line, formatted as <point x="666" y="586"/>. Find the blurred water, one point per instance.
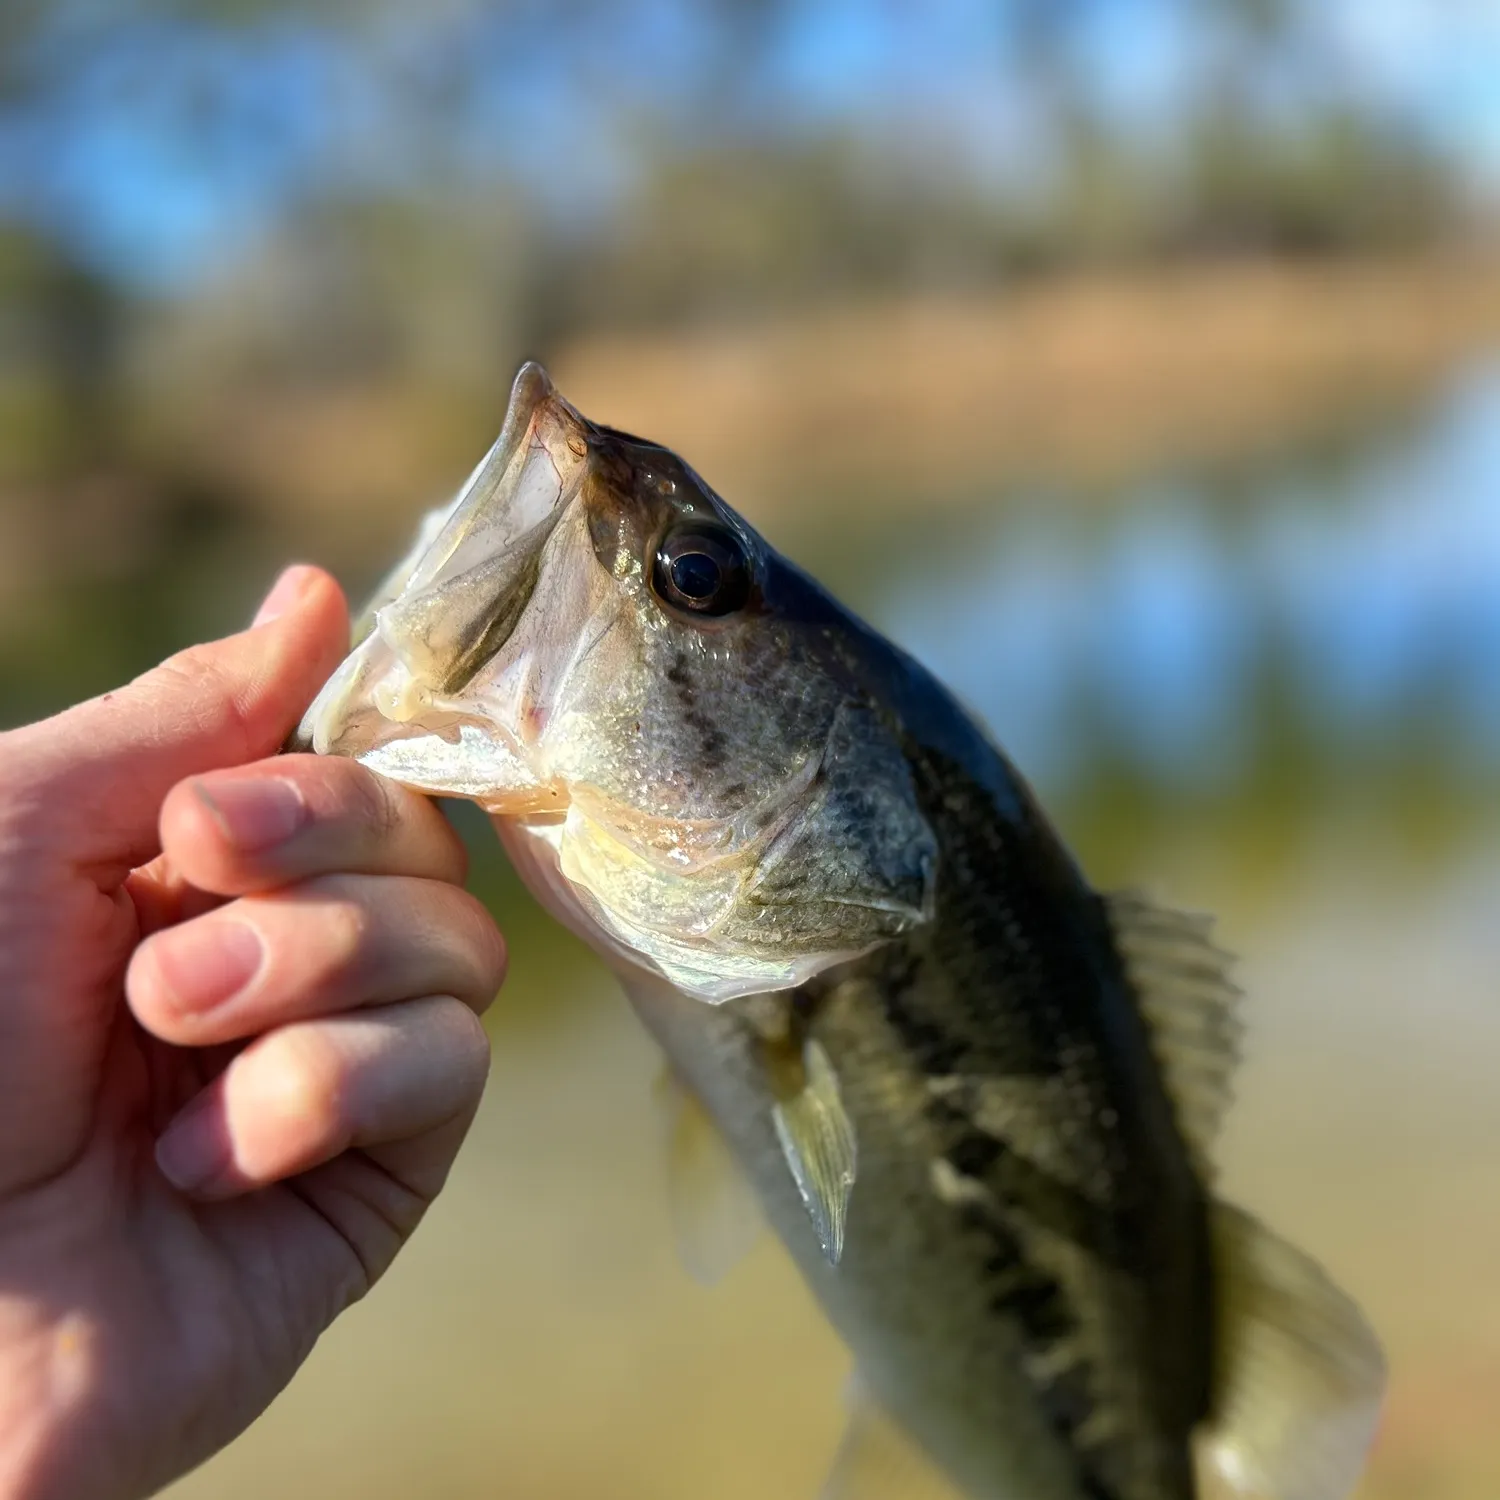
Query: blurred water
<point x="1367" y="592"/>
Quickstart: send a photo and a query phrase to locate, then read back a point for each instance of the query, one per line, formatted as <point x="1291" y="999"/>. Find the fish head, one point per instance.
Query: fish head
<point x="682" y="739"/>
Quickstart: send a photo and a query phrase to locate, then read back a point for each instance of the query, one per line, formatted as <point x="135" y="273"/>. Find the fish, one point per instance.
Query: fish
<point x="976" y="1099"/>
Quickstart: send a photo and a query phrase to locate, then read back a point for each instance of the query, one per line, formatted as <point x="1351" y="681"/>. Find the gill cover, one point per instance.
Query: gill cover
<point x="718" y="799"/>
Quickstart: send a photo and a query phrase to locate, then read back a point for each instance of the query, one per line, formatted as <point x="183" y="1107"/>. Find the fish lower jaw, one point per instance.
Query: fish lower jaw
<point x="540" y="806"/>
<point x="532" y="841"/>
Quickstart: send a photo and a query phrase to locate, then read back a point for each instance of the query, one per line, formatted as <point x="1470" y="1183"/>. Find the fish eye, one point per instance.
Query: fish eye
<point x="702" y="569"/>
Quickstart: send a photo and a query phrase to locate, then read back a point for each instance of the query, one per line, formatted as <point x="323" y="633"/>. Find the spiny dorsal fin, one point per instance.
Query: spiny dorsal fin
<point x="1181" y="979"/>
<point x="817" y="1139"/>
<point x="1299" y="1375"/>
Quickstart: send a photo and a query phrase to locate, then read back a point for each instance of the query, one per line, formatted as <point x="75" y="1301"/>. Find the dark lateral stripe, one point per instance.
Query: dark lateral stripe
<point x="975" y="1154"/>
<point x="1021" y="1187"/>
<point x="1019" y="1289"/>
<point x="935" y="1050"/>
<point x="1038" y="1302"/>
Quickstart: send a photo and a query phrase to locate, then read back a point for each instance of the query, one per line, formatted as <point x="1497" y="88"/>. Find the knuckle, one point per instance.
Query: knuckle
<point x="189" y="670"/>
<point x="490" y="954"/>
<point x="345" y="926"/>
<point x="27" y="811"/>
<point x="303" y="1080"/>
<point x="468" y="1043"/>
<point x="373" y="802"/>
<point x="194" y="680"/>
<point x="456" y="852"/>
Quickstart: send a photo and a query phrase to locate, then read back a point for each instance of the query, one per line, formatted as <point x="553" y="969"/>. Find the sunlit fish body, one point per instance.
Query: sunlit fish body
<point x="976" y="1099"/>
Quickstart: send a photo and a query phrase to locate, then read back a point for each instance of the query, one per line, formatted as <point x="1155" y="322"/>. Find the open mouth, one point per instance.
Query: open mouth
<point x="449" y="611"/>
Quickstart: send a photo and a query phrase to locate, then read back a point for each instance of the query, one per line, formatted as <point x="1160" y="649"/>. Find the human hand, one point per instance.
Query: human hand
<point x="239" y="1049"/>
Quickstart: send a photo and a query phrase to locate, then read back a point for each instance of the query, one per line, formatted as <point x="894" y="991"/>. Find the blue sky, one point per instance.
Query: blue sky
<point x="1440" y="59"/>
<point x="165" y="147"/>
<point x="1159" y="625"/>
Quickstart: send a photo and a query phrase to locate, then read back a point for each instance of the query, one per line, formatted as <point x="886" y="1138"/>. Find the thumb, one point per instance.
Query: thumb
<point x="105" y="766"/>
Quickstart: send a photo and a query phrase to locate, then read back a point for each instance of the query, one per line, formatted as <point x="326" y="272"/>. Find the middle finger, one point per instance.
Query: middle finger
<point x="328" y="945"/>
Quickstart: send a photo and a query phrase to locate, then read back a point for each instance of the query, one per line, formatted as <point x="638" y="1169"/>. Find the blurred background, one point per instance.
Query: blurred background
<point x="1133" y="362"/>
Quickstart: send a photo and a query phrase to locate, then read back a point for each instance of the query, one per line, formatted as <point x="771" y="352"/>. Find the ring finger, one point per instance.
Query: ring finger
<point x="308" y="1092"/>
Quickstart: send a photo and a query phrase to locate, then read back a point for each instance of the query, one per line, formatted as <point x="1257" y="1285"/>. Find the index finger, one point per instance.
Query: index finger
<point x="261" y="826"/>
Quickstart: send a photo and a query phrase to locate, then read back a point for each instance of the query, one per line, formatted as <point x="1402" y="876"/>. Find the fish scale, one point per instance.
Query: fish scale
<point x="975" y="1099"/>
<point x="958" y="999"/>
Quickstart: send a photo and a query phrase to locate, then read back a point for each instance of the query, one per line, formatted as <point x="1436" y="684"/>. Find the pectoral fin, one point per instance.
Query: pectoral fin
<point x="877" y="1461"/>
<point x="817" y="1138"/>
<point x="1299" y="1374"/>
<point x="715" y="1215"/>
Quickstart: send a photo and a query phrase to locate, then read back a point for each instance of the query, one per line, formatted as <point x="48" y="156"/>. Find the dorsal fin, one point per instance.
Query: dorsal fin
<point x="1191" y="1005"/>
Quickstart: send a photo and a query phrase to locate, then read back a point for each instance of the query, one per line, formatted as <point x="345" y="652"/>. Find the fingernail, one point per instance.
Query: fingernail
<point x="286" y="593"/>
<point x="193" y="1150"/>
<point x="203" y="964"/>
<point x="254" y="812"/>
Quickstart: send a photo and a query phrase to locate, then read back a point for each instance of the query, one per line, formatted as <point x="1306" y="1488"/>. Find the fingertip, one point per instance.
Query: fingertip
<point x="277" y="1110"/>
<point x="293" y="817"/>
<point x="308" y="605"/>
<point x="195" y="1151"/>
<point x="475" y="1051"/>
<point x="252" y="813"/>
<point x="407" y="1079"/>
<point x="298" y="637"/>
<point x="298" y="588"/>
<point x="215" y="826"/>
<point x="286" y="593"/>
<point x="188" y="828"/>
<point x="458" y="849"/>
<point x="498" y="959"/>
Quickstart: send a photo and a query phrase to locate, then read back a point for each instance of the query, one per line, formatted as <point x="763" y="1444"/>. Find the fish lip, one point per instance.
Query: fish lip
<point x="528" y="391"/>
<point x="532" y="397"/>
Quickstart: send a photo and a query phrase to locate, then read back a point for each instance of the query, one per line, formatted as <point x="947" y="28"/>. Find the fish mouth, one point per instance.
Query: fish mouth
<point x="450" y="609"/>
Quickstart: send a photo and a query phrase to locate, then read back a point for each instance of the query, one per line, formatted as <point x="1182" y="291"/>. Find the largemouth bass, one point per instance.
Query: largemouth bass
<point x="976" y="1099"/>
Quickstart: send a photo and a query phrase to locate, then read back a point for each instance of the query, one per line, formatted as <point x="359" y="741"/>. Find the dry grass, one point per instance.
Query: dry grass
<point x="1079" y="381"/>
<point x="1082" y="380"/>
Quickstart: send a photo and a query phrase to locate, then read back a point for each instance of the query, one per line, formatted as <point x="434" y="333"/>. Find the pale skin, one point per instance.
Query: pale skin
<point x="239" y="1049"/>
